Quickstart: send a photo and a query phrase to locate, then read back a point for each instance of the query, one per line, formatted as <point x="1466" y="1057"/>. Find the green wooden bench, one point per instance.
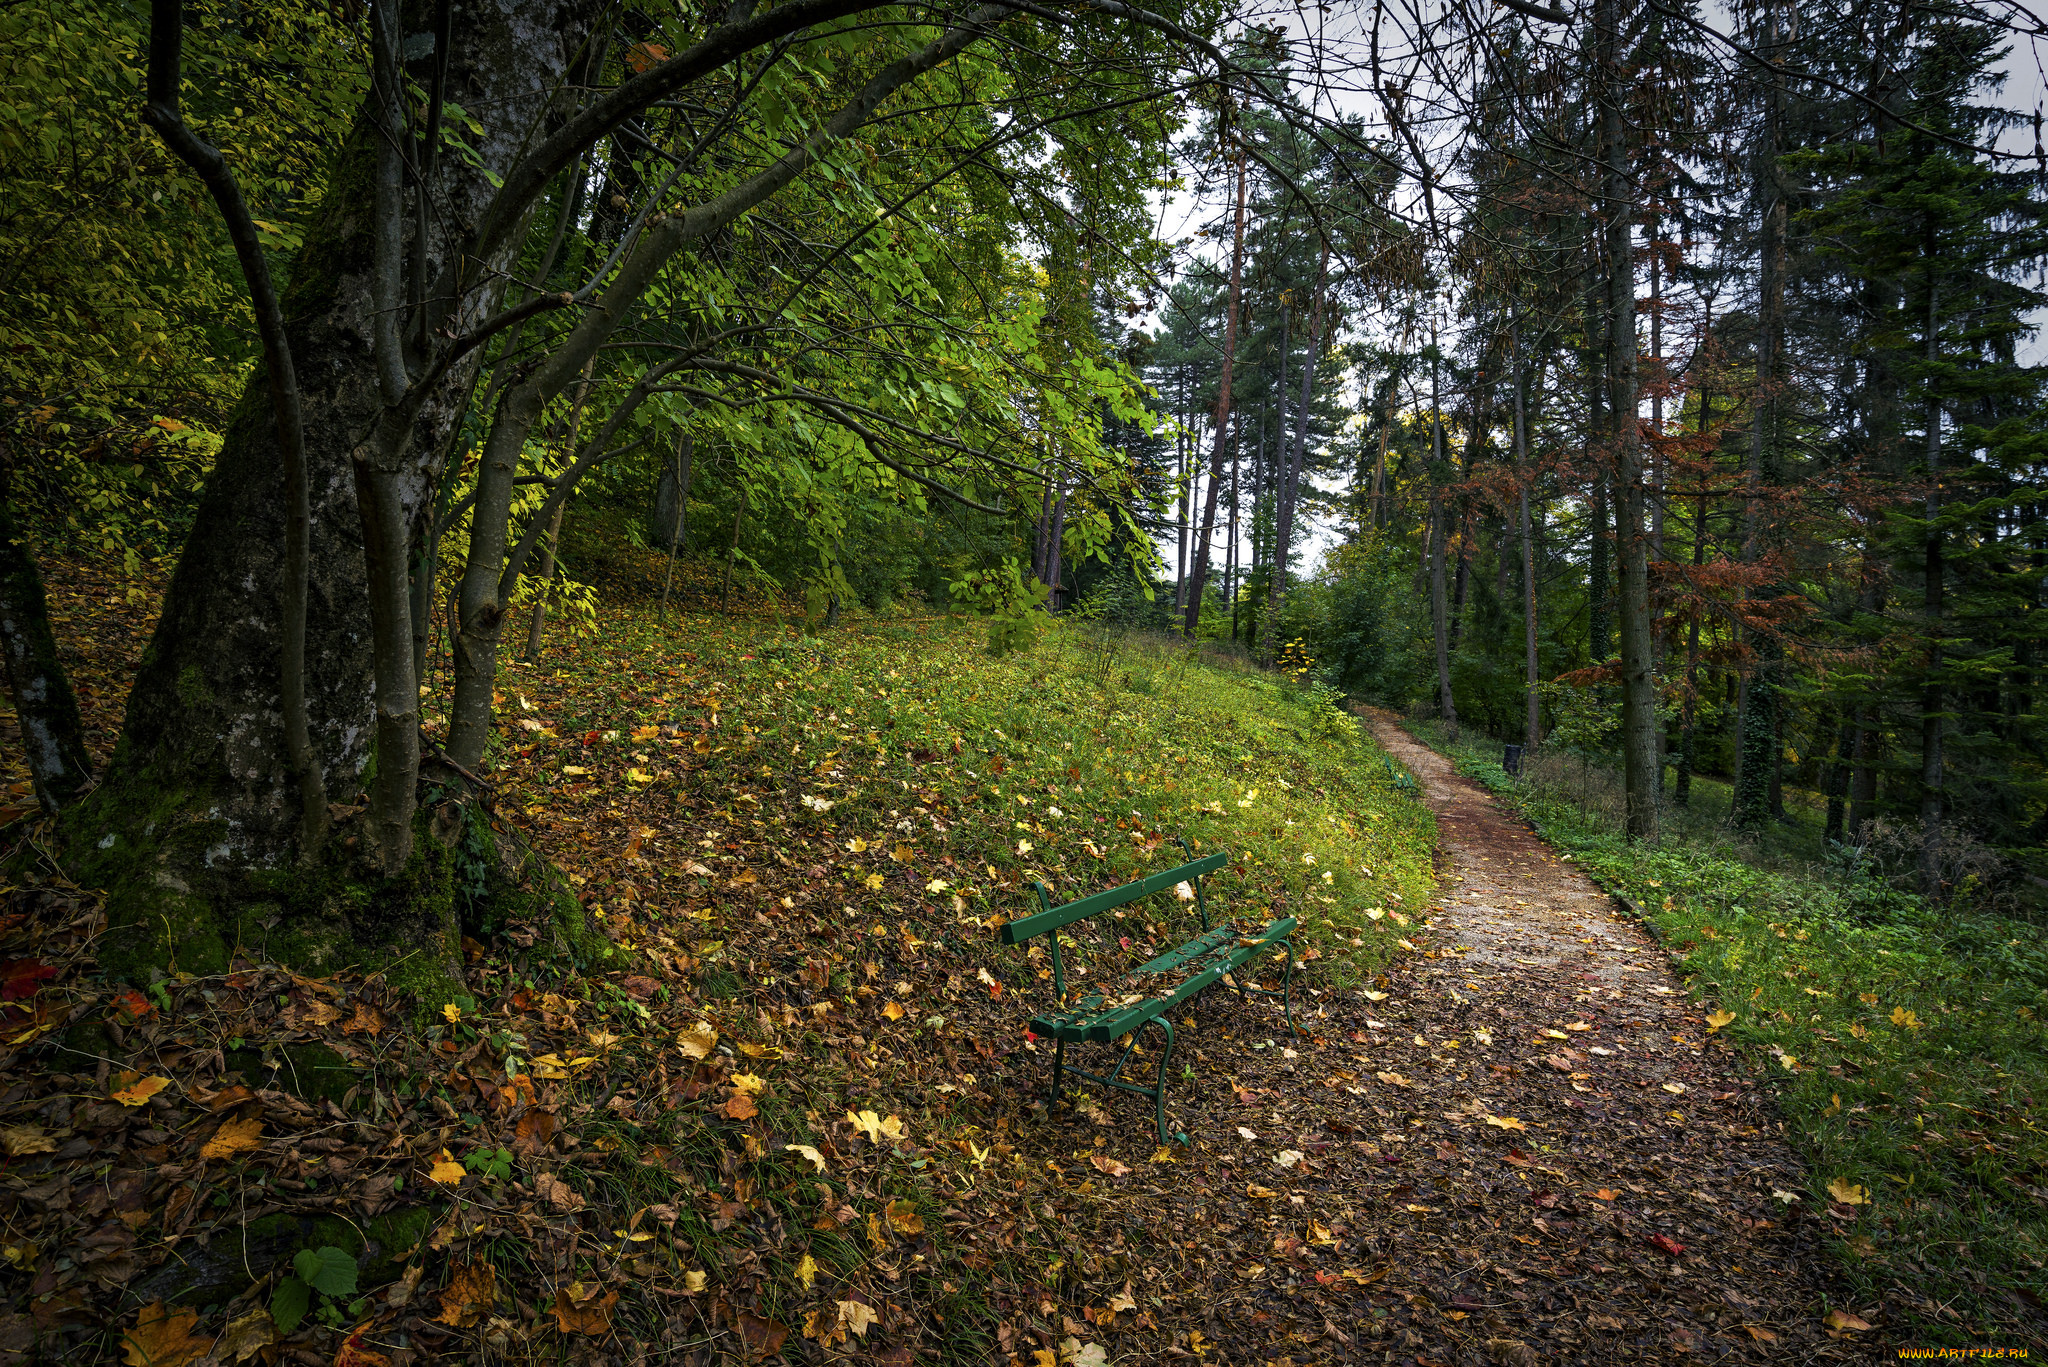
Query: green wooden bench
<point x="1158" y="986"/>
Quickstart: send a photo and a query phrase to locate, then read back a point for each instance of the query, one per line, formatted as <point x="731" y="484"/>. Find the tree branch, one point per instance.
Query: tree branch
<point x="166" y="56"/>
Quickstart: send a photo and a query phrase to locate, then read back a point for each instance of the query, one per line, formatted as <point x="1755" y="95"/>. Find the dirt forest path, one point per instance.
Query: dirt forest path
<point x="1641" y="1223"/>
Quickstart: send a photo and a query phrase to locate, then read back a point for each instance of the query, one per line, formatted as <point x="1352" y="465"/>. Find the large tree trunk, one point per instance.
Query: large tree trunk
<point x="202" y="792"/>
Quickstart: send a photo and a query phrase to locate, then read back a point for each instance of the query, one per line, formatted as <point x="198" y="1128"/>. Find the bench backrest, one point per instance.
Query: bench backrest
<point x="1052" y="917"/>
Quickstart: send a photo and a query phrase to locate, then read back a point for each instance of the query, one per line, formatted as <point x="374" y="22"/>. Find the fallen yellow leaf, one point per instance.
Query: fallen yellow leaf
<point x="1505" y="1122"/>
<point x="1717" y="1019"/>
<point x="140" y="1091"/>
<point x="446" y="1170"/>
<point x="233" y="1137"/>
<point x="1849" y="1195"/>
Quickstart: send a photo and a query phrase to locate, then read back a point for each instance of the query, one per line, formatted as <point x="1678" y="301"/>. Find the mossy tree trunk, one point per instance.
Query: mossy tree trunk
<point x="196" y="820"/>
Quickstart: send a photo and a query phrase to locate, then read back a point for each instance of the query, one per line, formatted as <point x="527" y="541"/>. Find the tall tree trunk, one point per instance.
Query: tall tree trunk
<point x="1659" y="379"/>
<point x="1180" y="481"/>
<point x="1268" y="648"/>
<point x="1638" y="663"/>
<point x="1233" y="566"/>
<point x="668" y="522"/>
<point x="1757" y="726"/>
<point x="1869" y="743"/>
<point x="1532" y="727"/>
<point x="1292" y="464"/>
<point x="1838" y="780"/>
<point x="1599" y="571"/>
<point x="1055" y="553"/>
<point x="163" y="112"/>
<point x="1201" y="577"/>
<point x="52" y="736"/>
<point x="1439" y="609"/>
<point x="682" y="471"/>
<point x="1689" y="706"/>
<point x="1599" y="622"/>
<point x="1931" y="776"/>
<point x="1475" y="430"/>
<point x="545" y="575"/>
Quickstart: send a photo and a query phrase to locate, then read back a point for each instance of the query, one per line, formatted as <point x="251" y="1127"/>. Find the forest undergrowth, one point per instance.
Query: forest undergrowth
<point x="784" y="1103"/>
<point x="1903" y="1041"/>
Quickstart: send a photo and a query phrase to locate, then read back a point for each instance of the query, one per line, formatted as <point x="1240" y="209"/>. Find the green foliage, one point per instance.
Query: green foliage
<point x="289" y="1303"/>
<point x="120" y="298"/>
<point x="1360" y="622"/>
<point x="328" y="1270"/>
<point x="495" y="1165"/>
<point x="1014" y="605"/>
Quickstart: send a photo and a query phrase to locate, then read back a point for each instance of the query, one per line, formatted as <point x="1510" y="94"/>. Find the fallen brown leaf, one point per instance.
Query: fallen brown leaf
<point x="163" y="1337"/>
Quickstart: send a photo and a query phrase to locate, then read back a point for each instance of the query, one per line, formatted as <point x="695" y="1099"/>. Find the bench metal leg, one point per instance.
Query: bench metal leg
<point x="1115" y="1078"/>
<point x="1159" y="1081"/>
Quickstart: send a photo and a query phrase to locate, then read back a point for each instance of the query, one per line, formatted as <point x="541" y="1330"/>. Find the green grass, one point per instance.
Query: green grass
<point x="1904" y="1043"/>
<point x="1078" y="762"/>
<point x="868" y="806"/>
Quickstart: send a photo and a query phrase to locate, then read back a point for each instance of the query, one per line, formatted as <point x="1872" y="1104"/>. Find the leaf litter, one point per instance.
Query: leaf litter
<point x="579" y="1159"/>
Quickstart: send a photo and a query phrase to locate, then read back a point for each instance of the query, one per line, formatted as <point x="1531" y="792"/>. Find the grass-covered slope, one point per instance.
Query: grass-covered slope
<point x="777" y="1099"/>
<point x="863" y="768"/>
<point x="1905" y="1043"/>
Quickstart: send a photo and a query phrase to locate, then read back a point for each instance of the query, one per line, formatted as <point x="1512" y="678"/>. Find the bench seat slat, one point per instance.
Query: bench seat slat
<point x="1217" y="952"/>
<point x="1038" y="923"/>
